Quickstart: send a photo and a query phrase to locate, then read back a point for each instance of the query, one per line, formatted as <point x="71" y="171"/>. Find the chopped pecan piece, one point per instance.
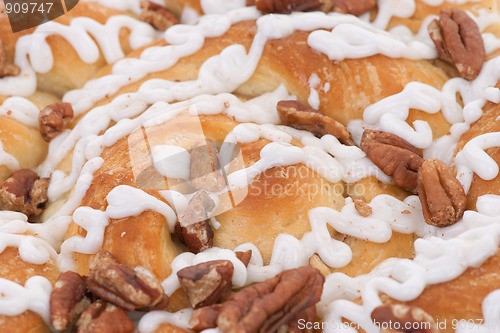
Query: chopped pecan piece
<point x="25" y="192"/>
<point x="400" y="315"/>
<point x="354" y="7"/>
<point x="205" y="171"/>
<point x="363" y="208"/>
<point x="316" y="262"/>
<point x="67" y="300"/>
<point x="266" y="306"/>
<point x="157" y="15"/>
<point x="193" y="227"/>
<point x="53" y="119"/>
<point x="207" y="283"/>
<point x="288" y="6"/>
<point x="441" y="194"/>
<point x="101" y="317"/>
<point x="7" y="68"/>
<point x="123" y="286"/>
<point x="297" y="115"/>
<point x="244" y="256"/>
<point x="458" y="41"/>
<point x="394" y="156"/>
<point x="204" y="318"/>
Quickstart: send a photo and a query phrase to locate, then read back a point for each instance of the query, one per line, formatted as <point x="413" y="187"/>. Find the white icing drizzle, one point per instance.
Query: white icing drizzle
<point x="79" y="34"/>
<point x="171" y="161"/>
<point x="21" y="110"/>
<point x="313" y="100"/>
<point x="473" y="159"/>
<point x="8" y="160"/>
<point x="438" y="259"/>
<point x="354" y="39"/>
<point x="34" y="296"/>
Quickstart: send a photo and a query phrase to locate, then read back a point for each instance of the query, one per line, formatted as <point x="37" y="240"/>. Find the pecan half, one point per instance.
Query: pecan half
<point x="288" y="6"/>
<point x="205" y="317"/>
<point x="400" y="315"/>
<point x="354" y="7"/>
<point x="123" y="286"/>
<point x="394" y="156"/>
<point x="458" y="41"/>
<point x="363" y="208"/>
<point x="25" y="192"/>
<point x="244" y="257"/>
<point x="157" y="15"/>
<point x="101" y="317"/>
<point x="297" y="115"/>
<point x="266" y="306"/>
<point x="207" y="283"/>
<point x="441" y="194"/>
<point x="193" y="228"/>
<point x="316" y="262"/>
<point x="53" y="119"/>
<point x="205" y="170"/>
<point x="67" y="300"/>
<point x="7" y="68"/>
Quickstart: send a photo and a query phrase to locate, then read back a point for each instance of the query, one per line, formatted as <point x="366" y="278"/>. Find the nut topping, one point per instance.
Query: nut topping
<point x="157" y="15"/>
<point x="399" y="315"/>
<point x="363" y="208"/>
<point x="24" y="192"/>
<point x="244" y="257"/>
<point x="207" y="283"/>
<point x="316" y="262"/>
<point x="288" y="6"/>
<point x="205" y="171"/>
<point x="123" y="286"/>
<point x="193" y="228"/>
<point x="394" y="156"/>
<point x="104" y="317"/>
<point x="67" y="300"/>
<point x="458" y="41"/>
<point x="266" y="306"/>
<point x="441" y="194"/>
<point x="6" y="67"/>
<point x="205" y="317"/>
<point x="297" y="115"/>
<point x="354" y="7"/>
<point x="53" y="119"/>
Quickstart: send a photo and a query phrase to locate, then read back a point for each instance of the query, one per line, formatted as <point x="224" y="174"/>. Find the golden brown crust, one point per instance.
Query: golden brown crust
<point x="13" y="268"/>
<point x="460" y="298"/>
<point x="17" y="139"/>
<point x="354" y="83"/>
<point x="488" y="123"/>
<point x="69" y="71"/>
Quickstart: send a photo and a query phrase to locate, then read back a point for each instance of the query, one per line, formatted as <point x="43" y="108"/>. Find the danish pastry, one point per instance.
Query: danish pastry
<point x="248" y="170"/>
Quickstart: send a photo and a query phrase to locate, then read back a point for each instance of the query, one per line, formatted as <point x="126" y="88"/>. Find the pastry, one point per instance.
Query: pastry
<point x="250" y="171"/>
